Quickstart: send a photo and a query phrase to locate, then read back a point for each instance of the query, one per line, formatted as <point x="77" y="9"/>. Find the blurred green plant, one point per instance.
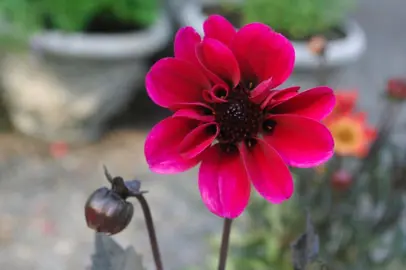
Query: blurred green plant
<point x="27" y="16"/>
<point x="297" y="19"/>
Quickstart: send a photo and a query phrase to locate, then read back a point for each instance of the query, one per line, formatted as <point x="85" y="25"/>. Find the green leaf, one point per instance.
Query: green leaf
<point x="317" y="265"/>
<point x="297" y="18"/>
<point x="109" y="255"/>
<point x="26" y="17"/>
<point x="132" y="260"/>
<point x="306" y="248"/>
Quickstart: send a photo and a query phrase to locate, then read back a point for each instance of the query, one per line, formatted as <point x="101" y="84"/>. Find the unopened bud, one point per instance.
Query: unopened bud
<point x="107" y="212"/>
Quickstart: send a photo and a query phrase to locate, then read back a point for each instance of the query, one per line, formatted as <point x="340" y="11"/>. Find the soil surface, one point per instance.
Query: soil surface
<point x="102" y="23"/>
<point x="107" y="23"/>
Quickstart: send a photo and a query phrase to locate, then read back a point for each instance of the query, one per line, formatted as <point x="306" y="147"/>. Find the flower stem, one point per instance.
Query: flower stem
<point x="151" y="231"/>
<point x="224" y="243"/>
<point x="386" y="122"/>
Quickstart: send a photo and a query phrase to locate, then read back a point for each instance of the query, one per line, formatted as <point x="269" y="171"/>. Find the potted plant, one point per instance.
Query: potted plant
<point x="298" y="20"/>
<point x="84" y="60"/>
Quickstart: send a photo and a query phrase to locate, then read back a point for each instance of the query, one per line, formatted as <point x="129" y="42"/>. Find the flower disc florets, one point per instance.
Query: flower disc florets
<point x="238" y="118"/>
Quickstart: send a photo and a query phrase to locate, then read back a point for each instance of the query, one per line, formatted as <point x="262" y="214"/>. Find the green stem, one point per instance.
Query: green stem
<point x="151" y="231"/>
<point x="224" y="244"/>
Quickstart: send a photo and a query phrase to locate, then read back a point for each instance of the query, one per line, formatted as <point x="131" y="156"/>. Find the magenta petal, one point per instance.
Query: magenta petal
<point x="172" y="81"/>
<point x="285" y="94"/>
<point x="217" y="94"/>
<point x="315" y="103"/>
<point x="263" y="54"/>
<point x="162" y="146"/>
<point x="223" y="182"/>
<point x="219" y="59"/>
<point x="219" y="28"/>
<point x="268" y="172"/>
<point x="192" y="113"/>
<point x="279" y="96"/>
<point x="198" y="140"/>
<point x="191" y="105"/>
<point x="262" y="91"/>
<point x="302" y="142"/>
<point x="186" y="40"/>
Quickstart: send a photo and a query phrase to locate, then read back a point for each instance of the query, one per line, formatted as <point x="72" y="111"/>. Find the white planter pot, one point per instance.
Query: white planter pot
<point x="339" y="52"/>
<point x="69" y="84"/>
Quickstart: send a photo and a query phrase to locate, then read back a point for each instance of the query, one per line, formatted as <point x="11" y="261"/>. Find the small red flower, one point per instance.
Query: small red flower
<point x="58" y="149"/>
<point x="396" y="88"/>
<point x="229" y="116"/>
<point x="341" y="180"/>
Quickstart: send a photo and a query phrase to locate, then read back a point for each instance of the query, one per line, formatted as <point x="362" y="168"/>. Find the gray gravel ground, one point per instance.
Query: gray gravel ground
<point x="41" y="204"/>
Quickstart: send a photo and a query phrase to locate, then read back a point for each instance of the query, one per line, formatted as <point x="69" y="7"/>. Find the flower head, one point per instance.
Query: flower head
<point x="229" y="116"/>
<point x="351" y="134"/>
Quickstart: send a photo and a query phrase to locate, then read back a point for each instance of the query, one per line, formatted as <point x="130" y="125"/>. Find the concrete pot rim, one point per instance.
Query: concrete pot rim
<point x="139" y="44"/>
<point x="339" y="52"/>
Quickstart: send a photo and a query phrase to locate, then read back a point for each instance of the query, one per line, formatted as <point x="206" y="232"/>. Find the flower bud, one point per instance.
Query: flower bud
<point x="341" y="180"/>
<point x="107" y="212"/>
<point x="396" y="88"/>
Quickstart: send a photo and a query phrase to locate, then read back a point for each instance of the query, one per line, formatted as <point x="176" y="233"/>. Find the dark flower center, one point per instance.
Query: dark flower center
<point x="239" y="118"/>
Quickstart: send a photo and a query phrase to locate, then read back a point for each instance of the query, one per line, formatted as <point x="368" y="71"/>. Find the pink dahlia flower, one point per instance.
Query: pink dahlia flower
<point x="229" y="116"/>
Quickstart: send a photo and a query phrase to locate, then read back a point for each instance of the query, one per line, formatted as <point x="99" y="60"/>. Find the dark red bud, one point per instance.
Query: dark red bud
<point x="396" y="88"/>
<point x="341" y="180"/>
<point x="107" y="212"/>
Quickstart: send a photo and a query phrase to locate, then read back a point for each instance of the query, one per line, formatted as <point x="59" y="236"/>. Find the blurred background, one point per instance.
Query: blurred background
<point x="72" y="98"/>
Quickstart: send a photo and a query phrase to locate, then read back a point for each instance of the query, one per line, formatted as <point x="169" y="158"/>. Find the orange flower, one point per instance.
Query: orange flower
<point x="345" y="101"/>
<point x="351" y="135"/>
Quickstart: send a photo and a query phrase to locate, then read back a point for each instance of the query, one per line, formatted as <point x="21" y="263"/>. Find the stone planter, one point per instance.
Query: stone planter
<point x="67" y="85"/>
<point x="339" y="52"/>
